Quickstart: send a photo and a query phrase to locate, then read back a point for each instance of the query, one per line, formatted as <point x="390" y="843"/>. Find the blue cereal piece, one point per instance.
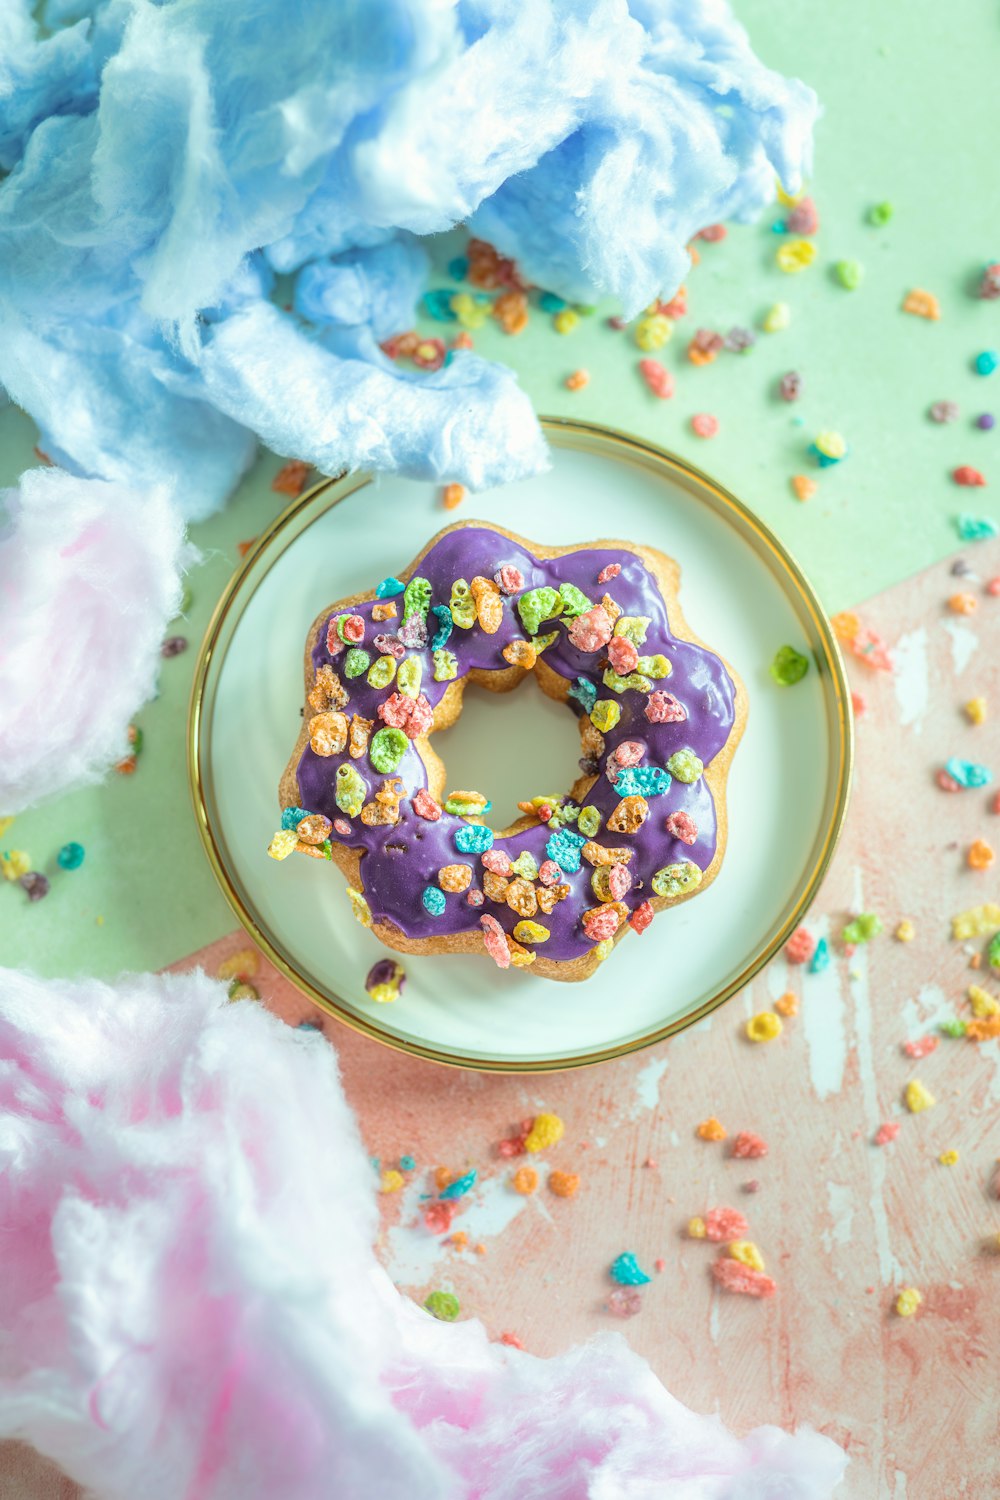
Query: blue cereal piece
<point x="977" y="528"/>
<point x="550" y="303"/>
<point x="437" y="305"/>
<point x="70" y="856"/>
<point x="407" y="1163"/>
<point x="821" y="957"/>
<point x="473" y="838"/>
<point x="458" y="267"/>
<point x="968" y="773"/>
<point x="446" y="625"/>
<point x="625" y="1269"/>
<point x="389" y="588"/>
<point x="434" y="900"/>
<point x="460" y="1186"/>
<point x="291" y="817"/>
<point x="585" y="692"/>
<point x="564" y="847"/>
<point x="642" y="781"/>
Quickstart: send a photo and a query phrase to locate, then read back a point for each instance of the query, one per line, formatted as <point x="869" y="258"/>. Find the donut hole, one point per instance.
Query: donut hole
<point x="510" y="746"/>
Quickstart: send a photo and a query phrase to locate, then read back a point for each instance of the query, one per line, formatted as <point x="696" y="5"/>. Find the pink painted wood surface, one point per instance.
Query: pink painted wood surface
<point x="842" y="1223"/>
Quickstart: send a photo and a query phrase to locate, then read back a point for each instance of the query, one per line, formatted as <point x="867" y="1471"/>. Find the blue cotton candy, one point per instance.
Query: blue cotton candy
<point x="376" y="287"/>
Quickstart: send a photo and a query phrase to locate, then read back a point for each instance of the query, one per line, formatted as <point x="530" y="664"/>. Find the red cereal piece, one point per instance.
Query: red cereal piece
<point x="389" y="645"/>
<point x="748" y="1145"/>
<point x="395" y="710"/>
<point x="619" y="881"/>
<point x="659" y="1264"/>
<point x="622" y="655"/>
<point x="804" y="218"/>
<point x="429" y="354"/>
<point x="496" y="861"/>
<point x="858" y="704"/>
<point x="725" y="1224"/>
<point x="421" y="717"/>
<point x="704" y="425"/>
<point x="800" y="946"/>
<point x="734" y="1276"/>
<point x="660" y="382"/>
<point x="511" y="1340"/>
<point x="549" y="872"/>
<point x="681" y="825"/>
<point x="993" y="587"/>
<point x="611" y="570"/>
<point x="947" y="783"/>
<point x="886" y="1133"/>
<point x="508" y="579"/>
<point x="966" y="475"/>
<point x="495" y="941"/>
<point x="425" y="807"/>
<point x="439" y="1214"/>
<point x="995" y="804"/>
<point x="290" y="479"/>
<point x="677" y="306"/>
<point x="712" y="233"/>
<point x="474" y="896"/>
<point x="354" y="629"/>
<point x="513" y="1146"/>
<point x="641" y="917"/>
<point x="628" y="753"/>
<point x="600" y="922"/>
<point x="342" y="826"/>
<point x="591" y="630"/>
<point x="663" y="708"/>
<point x="922" y="1047"/>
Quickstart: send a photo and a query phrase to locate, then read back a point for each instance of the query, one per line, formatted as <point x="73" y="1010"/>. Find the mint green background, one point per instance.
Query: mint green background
<point x="909" y="89"/>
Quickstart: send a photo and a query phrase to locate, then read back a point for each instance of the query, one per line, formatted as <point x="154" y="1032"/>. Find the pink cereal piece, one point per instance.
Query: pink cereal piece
<point x="660" y="383"/>
<point x="334" y="644"/>
<point x="886" y="1133"/>
<point x="389" y="645"/>
<point x="439" y="1214"/>
<point x="498" y="862"/>
<point x="622" y="655"/>
<point x="421" y="717"/>
<point x="395" y="710"/>
<point x="804" y="218"/>
<point x="704" y="425"/>
<point x="600" y="923"/>
<point x="681" y="825"/>
<point x="549" y="872"/>
<point x="868" y="646"/>
<point x="858" y="704"/>
<point x="619" y="881"/>
<point x="495" y="941"/>
<point x="508" y="579"/>
<point x="993" y="587"/>
<point x="712" y="232"/>
<point x="663" y="708"/>
<point x="748" y="1145"/>
<point x="800" y="946"/>
<point x="995" y="804"/>
<point x="511" y="1340"/>
<point x="628" y="753"/>
<point x="591" y="630"/>
<point x="513" y="1146"/>
<point x="625" y="1301"/>
<point x="923" y="1046"/>
<point x="342" y="826"/>
<point x="611" y="570"/>
<point x="641" y="917"/>
<point x="354" y="629"/>
<point x="946" y="782"/>
<point x="474" y="896"/>
<point x="725" y="1224"/>
<point x="659" y="1264"/>
<point x="734" y="1276"/>
<point x="425" y="807"/>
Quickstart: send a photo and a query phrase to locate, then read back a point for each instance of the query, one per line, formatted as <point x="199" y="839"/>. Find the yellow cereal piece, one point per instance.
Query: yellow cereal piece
<point x="239" y="990"/>
<point x="975" y="712"/>
<point x="651" y="333"/>
<point x="905" y="931"/>
<point x="777" y="318"/>
<point x="795" y="255"/>
<point x="281" y="846"/>
<point x="747" y="1253"/>
<point x="948" y="1158"/>
<point x="4" y="825"/>
<point x="359" y="906"/>
<point x="605" y="714"/>
<point x="846" y="625"/>
<point x="711" y="1130"/>
<point x="392" y="1181"/>
<point x="245" y="962"/>
<point x="15" y="863"/>
<point x="978" y="921"/>
<point x="602" y="949"/>
<point x="696" y="1229"/>
<point x="917" y="1097"/>
<point x="787" y="200"/>
<point x="565" y="320"/>
<point x="764" y="1026"/>
<point x="531" y="932"/>
<point x="908" y="1301"/>
<point x="982" y="1002"/>
<point x="546" y="1131"/>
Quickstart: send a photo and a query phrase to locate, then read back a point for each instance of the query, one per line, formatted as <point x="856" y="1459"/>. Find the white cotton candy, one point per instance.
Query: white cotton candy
<point x="191" y="1307"/>
<point x="89" y="578"/>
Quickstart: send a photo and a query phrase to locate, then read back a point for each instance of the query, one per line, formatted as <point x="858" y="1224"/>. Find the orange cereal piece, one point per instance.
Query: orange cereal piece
<point x="788" y="1004"/>
<point x="459" y="1239"/>
<point x="963" y="604"/>
<point x="328" y="733"/>
<point x="564" y="1184"/>
<point x="520" y="897"/>
<point x="452" y="495"/>
<point x="462" y="340"/>
<point x="244" y="547"/>
<point x="384" y="609"/>
<point x="577" y="380"/>
<point x="922" y="304"/>
<point x="521" y="654"/>
<point x="511" y="311"/>
<point x="711" y="1130"/>
<point x="455" y="877"/>
<point x="489" y="604"/>
<point x="291" y="480"/>
<point x="803" y="488"/>
<point x="524" y="1180"/>
<point x="981" y="855"/>
<point x="846" y="625"/>
<point x="442" y="1177"/>
<point x="982" y="1031"/>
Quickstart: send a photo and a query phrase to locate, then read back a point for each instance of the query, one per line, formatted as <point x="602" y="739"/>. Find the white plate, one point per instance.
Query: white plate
<point x="787" y="788"/>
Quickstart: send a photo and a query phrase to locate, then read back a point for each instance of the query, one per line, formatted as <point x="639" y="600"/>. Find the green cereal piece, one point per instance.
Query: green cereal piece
<point x="382" y="673"/>
<point x="605" y="714"/>
<point x="879" y="214"/>
<point x="863" y="928"/>
<point x="359" y="906"/>
<point x="589" y="821"/>
<point x="443" y="1305"/>
<point x="632" y="627"/>
<point x="463" y="606"/>
<point x="686" y="766"/>
<point x="339" y="622"/>
<point x="602" y="949"/>
<point x="993" y="951"/>
<point x="475" y="807"/>
<point x="445" y="665"/>
<point x="622" y="684"/>
<point x="416" y="598"/>
<point x="953" y="1027"/>
<point x="538" y="605"/>
<point x="352" y="789"/>
<point x="409" y="676"/>
<point x="525" y="864"/>
<point x="575" y="602"/>
<point x="849" y="273"/>
<point x="356" y="661"/>
<point x="654" y="666"/>
<point x="789" y="666"/>
<point x="542" y="642"/>
<point x="677" y="880"/>
<point x="387" y="748"/>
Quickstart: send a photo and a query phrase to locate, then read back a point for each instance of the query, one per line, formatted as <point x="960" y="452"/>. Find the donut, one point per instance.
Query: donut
<point x="643" y="826"/>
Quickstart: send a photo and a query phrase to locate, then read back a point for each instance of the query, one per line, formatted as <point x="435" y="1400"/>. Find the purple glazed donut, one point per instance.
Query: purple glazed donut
<point x="643" y="825"/>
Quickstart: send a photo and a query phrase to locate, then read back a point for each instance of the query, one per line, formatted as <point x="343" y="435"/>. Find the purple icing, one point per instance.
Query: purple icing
<point x="398" y="862"/>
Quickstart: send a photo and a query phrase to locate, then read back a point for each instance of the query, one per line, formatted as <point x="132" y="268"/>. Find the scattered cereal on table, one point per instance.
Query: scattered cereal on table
<point x="725" y="1224"/>
<point x="980" y="855"/>
<point x="948" y="1158"/>
<point x="625" y="1269"/>
<point x="908" y="1301"/>
<point x="577" y="380"/>
<point x="922" y="304"/>
<point x="624" y="1302"/>
<point x="733" y="1276"/>
<point x="443" y="1305"/>
<point x="524" y="1181"/>
<point x="546" y="1130"/>
<point x="887" y="1132"/>
<point x="764" y="1026"/>
<point x="711" y="1130"/>
<point x="787" y="1004"/>
<point x="391" y="1181"/>
<point x="917" y="1097"/>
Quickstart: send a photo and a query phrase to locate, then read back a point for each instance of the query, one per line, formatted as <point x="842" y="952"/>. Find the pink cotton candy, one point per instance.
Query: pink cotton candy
<point x="191" y="1308"/>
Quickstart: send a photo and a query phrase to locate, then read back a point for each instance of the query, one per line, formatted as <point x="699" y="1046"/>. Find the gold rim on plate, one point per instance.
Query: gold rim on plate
<point x="586" y="436"/>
